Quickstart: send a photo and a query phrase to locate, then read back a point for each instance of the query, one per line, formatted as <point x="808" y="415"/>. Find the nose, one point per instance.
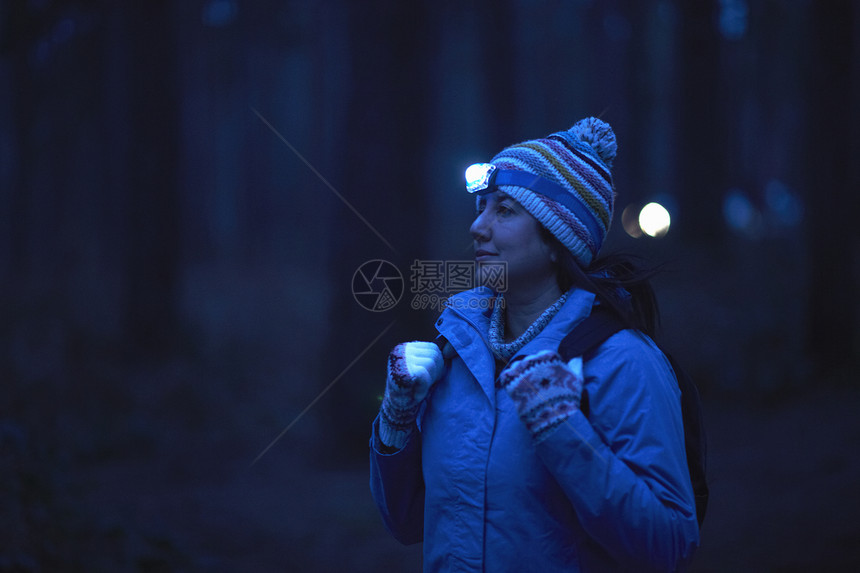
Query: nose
<point x="480" y="229"/>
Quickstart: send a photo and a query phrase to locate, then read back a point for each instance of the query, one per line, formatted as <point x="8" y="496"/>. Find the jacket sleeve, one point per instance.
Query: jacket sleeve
<point x="624" y="467"/>
<point x="397" y="486"/>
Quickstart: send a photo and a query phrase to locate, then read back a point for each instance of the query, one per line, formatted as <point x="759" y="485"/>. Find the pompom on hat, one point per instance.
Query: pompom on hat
<point x="563" y="180"/>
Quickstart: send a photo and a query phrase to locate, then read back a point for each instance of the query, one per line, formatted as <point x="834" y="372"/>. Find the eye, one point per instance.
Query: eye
<point x="505" y="208"/>
<point x="482" y="204"/>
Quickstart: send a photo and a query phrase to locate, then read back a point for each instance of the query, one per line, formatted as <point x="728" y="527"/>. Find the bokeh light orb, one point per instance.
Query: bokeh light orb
<point x="654" y="220"/>
<point x="630" y="221"/>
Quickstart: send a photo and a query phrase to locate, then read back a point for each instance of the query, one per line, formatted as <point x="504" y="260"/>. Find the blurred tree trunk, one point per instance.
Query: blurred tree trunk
<point x="702" y="139"/>
<point x="832" y="186"/>
<point x="153" y="249"/>
<point x="20" y="34"/>
<point x="381" y="175"/>
<point x="497" y="47"/>
<point x="35" y="199"/>
<point x="642" y="142"/>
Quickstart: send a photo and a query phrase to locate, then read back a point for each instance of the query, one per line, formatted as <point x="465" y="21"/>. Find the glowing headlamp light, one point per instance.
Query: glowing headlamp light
<point x="479" y="177"/>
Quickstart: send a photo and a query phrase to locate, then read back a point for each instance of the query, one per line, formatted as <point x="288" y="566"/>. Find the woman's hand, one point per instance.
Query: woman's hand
<point x="545" y="390"/>
<point x="413" y="367"/>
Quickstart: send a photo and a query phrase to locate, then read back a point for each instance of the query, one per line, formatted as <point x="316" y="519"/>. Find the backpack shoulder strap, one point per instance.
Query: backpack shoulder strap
<point x="590" y="333"/>
<point x="585" y="338"/>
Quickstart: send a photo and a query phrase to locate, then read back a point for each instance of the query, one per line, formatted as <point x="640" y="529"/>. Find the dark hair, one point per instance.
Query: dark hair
<point x="619" y="280"/>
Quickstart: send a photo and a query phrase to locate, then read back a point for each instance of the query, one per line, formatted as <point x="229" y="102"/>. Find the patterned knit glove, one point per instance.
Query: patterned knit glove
<point x="545" y="390"/>
<point x="413" y="367"/>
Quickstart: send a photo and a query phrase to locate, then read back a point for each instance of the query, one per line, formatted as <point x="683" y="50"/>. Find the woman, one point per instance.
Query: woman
<point x="485" y="453"/>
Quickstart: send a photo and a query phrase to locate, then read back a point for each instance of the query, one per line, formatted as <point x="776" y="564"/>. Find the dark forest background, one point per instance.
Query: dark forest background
<point x="187" y="189"/>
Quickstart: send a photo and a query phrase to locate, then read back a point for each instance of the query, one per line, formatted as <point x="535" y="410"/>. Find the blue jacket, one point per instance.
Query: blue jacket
<point x="604" y="493"/>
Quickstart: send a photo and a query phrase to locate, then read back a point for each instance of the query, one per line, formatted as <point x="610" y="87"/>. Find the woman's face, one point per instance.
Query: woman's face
<point x="504" y="232"/>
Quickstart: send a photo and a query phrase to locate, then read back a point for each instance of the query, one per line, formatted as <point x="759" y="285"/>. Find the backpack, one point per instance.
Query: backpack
<point x="590" y="334"/>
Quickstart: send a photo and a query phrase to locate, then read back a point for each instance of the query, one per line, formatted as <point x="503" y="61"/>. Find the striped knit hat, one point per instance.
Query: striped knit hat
<point x="563" y="180"/>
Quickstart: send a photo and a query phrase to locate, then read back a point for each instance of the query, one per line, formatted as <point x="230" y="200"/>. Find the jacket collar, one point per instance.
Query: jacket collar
<point x="576" y="308"/>
<point x="465" y="324"/>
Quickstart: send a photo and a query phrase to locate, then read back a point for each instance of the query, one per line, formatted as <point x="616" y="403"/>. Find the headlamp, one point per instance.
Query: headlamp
<point x="482" y="178"/>
<point x="479" y="177"/>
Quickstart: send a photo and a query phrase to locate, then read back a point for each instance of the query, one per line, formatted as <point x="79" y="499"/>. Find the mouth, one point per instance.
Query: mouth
<point x="481" y="253"/>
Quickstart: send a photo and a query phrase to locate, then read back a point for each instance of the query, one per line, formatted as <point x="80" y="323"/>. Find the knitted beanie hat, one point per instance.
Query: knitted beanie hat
<point x="563" y="180"/>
